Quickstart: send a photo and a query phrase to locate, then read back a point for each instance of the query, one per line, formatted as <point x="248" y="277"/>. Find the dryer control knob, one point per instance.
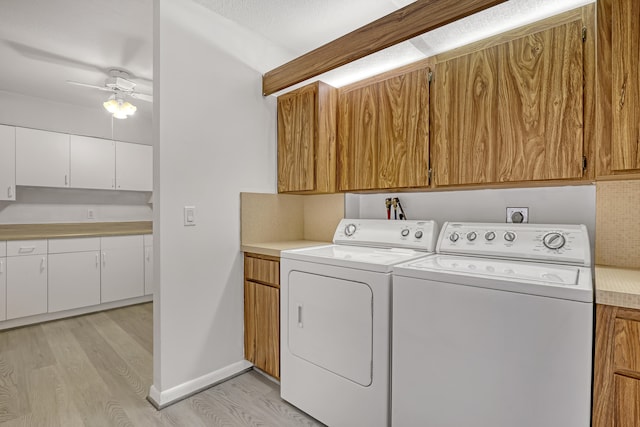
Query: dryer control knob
<point x="489" y="235"/>
<point x="350" y="229"/>
<point x="471" y="236"/>
<point x="419" y="234"/>
<point x="554" y="240"/>
<point x="509" y="236"/>
<point x="454" y="237"/>
<point x="405" y="232"/>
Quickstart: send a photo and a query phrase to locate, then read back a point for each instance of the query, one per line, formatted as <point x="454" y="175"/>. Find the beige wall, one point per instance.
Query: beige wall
<point x="618" y="223"/>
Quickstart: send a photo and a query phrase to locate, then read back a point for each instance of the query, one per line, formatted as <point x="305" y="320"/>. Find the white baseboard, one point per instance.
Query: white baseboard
<point x="162" y="399"/>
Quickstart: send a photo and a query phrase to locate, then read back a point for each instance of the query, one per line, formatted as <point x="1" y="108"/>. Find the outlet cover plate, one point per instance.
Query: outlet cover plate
<point x="523" y="211"/>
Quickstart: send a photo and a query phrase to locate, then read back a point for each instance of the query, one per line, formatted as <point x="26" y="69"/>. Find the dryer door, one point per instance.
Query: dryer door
<point x="331" y="324"/>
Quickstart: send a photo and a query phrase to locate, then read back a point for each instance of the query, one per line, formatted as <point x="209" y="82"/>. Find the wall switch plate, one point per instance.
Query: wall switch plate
<point x="91" y="214"/>
<point x="517" y="215"/>
<point x="189" y="215"/>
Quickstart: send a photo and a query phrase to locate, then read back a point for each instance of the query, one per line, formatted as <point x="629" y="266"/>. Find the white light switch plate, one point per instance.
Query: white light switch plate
<point x="189" y="215"/>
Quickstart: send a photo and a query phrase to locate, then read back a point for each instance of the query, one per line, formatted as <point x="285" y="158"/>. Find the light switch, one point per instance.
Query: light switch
<point x="189" y="215"/>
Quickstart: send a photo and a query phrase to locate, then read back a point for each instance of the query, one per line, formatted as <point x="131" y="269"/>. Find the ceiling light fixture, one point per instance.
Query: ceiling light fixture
<point x="120" y="108"/>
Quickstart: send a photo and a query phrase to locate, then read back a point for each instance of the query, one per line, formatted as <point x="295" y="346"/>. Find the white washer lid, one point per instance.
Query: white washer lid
<point x="362" y="258"/>
<point x="552" y="280"/>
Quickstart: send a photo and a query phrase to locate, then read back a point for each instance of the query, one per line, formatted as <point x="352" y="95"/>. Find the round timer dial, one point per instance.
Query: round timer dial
<point x="350" y="229"/>
<point x="554" y="240"/>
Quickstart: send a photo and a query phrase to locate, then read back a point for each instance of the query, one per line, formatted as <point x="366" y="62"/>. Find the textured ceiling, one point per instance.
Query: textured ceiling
<point x="43" y="43"/>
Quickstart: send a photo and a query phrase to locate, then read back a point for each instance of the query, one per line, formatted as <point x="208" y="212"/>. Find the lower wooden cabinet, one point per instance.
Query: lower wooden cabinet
<point x="262" y="313"/>
<point x="616" y="379"/>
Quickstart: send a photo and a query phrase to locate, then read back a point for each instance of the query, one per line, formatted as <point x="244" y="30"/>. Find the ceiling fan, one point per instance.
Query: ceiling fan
<point x="119" y="84"/>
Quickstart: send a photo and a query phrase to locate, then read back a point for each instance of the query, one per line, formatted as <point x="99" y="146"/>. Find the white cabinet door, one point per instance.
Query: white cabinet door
<point x="92" y="163"/>
<point x="122" y="272"/>
<point x="26" y="285"/>
<point x="42" y="158"/>
<point x="7" y="163"/>
<point x="148" y="264"/>
<point x="74" y="273"/>
<point x="134" y="167"/>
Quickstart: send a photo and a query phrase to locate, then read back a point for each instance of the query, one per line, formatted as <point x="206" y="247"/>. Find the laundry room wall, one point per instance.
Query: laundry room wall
<point x="547" y="205"/>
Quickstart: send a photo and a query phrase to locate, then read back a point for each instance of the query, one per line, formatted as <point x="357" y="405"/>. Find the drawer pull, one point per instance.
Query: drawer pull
<point x="26" y="249"/>
<point x="43" y="264"/>
<point x="1" y="266"/>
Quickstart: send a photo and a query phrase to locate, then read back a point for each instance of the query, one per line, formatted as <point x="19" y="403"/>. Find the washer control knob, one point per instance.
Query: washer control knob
<point x="454" y="237"/>
<point x="554" y="240"/>
<point x="509" y="236"/>
<point x="419" y="234"/>
<point x="350" y="229"/>
<point x="471" y="236"/>
<point x="489" y="235"/>
<point x="405" y="232"/>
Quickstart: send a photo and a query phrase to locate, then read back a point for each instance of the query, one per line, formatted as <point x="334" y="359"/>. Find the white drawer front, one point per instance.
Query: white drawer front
<point x="83" y="244"/>
<point x="148" y="239"/>
<point x="26" y="247"/>
<point x="118" y="242"/>
<point x="3" y="248"/>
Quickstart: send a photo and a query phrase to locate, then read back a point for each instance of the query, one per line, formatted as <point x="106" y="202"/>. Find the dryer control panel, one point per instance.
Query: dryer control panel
<point x="566" y="244"/>
<point x="416" y="235"/>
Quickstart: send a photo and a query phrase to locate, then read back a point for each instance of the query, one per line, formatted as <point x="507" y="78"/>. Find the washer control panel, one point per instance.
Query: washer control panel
<point x="417" y="235"/>
<point x="544" y="242"/>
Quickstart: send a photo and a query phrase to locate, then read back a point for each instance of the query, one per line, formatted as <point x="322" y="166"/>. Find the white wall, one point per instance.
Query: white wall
<point x="547" y="205"/>
<point x="38" y="113"/>
<point x="216" y="137"/>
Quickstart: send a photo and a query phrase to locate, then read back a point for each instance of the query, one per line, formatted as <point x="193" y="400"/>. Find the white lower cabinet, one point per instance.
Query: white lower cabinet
<point x="3" y="281"/>
<point x="148" y="264"/>
<point x="26" y="278"/>
<point x="74" y="273"/>
<point x="122" y="269"/>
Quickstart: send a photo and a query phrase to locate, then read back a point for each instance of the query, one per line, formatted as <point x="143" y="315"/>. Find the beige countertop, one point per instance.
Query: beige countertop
<point x="274" y="248"/>
<point x="618" y="286"/>
<point x="84" y="229"/>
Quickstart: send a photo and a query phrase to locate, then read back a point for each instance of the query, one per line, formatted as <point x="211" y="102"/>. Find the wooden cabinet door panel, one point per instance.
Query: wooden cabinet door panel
<point x="627" y="345"/>
<point x="466" y="119"/>
<point x="250" y="324"/>
<point x="541" y="105"/>
<point x="297" y="134"/>
<point x="403" y="134"/>
<point x="627" y="405"/>
<point x="625" y="44"/>
<point x="267" y="313"/>
<point x="358" y="139"/>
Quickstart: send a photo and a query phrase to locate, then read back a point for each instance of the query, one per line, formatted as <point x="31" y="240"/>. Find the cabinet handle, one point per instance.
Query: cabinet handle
<point x="10" y="192"/>
<point x="1" y="266"/>
<point x="43" y="264"/>
<point x="104" y="259"/>
<point x="97" y="261"/>
<point x="26" y="249"/>
<point x="146" y="254"/>
<point x="300" y="325"/>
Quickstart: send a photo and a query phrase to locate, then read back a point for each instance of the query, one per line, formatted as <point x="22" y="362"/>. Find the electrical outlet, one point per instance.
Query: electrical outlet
<point x="517" y="215"/>
<point x="91" y="214"/>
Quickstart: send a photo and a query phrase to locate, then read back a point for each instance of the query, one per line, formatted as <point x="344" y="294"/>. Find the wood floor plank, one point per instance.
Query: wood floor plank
<point x="137" y="321"/>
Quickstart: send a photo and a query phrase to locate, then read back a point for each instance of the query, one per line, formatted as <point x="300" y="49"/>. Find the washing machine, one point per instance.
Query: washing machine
<point x="496" y="329"/>
<point x="335" y="319"/>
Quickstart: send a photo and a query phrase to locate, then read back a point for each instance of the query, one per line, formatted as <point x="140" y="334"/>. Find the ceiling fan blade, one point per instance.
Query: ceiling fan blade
<point x="141" y="96"/>
<point x="53" y="58"/>
<point x="106" y="89"/>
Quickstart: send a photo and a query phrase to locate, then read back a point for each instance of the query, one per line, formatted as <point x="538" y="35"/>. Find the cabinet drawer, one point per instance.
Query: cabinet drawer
<point x="262" y="270"/>
<point x="26" y="247"/>
<point x="82" y="244"/>
<point x="627" y="345"/>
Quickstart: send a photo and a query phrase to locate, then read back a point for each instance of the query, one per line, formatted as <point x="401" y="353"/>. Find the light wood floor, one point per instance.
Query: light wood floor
<point x="96" y="370"/>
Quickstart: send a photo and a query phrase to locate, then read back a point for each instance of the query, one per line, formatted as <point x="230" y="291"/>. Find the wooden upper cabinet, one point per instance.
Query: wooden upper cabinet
<point x="307" y="139"/>
<point x="383" y="134"/>
<point x="625" y="56"/>
<point x="511" y="112"/>
<point x="541" y="106"/>
<point x="465" y="119"/>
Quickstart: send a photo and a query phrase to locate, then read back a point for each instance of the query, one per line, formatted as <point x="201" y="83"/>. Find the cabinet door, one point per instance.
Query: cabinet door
<point x="465" y="115"/>
<point x="134" y="167"/>
<point x="541" y="105"/>
<point x="148" y="270"/>
<point x="625" y="55"/>
<point x="267" y="312"/>
<point x="403" y="134"/>
<point x="7" y="163"/>
<point x="358" y="139"/>
<point x="42" y="158"/>
<point x="26" y="286"/>
<point x="627" y="405"/>
<point x="122" y="268"/>
<point x="3" y="288"/>
<point x="250" y="321"/>
<point x="74" y="280"/>
<point x="297" y="115"/>
<point x="92" y="163"/>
